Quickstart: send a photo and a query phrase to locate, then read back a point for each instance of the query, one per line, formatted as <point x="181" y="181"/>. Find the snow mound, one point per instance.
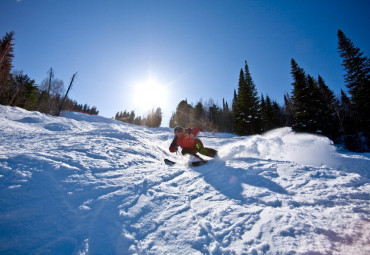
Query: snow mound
<point x="285" y="145"/>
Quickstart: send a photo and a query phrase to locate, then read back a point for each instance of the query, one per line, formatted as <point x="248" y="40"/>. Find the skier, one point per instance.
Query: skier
<point x="190" y="144"/>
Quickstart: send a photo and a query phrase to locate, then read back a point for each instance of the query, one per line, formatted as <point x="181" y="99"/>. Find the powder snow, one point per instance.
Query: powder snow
<point x="82" y="184"/>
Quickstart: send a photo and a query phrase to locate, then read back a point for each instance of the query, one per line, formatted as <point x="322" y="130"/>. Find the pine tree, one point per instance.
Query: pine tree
<point x="253" y="102"/>
<point x="6" y="58"/>
<point x="125" y="116"/>
<point x="235" y="100"/>
<point x="288" y="111"/>
<point x="310" y="109"/>
<point x="357" y="80"/>
<point x="131" y="117"/>
<point x="263" y="114"/>
<point x="226" y="118"/>
<point x="182" y="116"/>
<point x="247" y="112"/>
<point x="300" y="92"/>
<point x="198" y="117"/>
<point x="278" y="115"/>
<point x="154" y="118"/>
<point x="271" y="114"/>
<point x="24" y="91"/>
<point x="347" y="114"/>
<point x="313" y="104"/>
<point x="351" y="138"/>
<point x="240" y="106"/>
<point x="158" y="117"/>
<point x="214" y="114"/>
<point x="330" y="114"/>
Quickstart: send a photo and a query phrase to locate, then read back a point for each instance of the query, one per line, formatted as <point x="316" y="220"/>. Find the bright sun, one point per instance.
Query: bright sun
<point x="149" y="95"/>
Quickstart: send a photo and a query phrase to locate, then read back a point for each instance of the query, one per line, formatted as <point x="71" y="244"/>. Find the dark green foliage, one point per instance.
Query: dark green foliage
<point x="198" y="117"/>
<point x="357" y="80"/>
<point x="225" y="118"/>
<point x="182" y="116"/>
<point x="329" y="118"/>
<point x="288" y="111"/>
<point x="277" y="116"/>
<point x="246" y="108"/>
<point x="352" y="138"/>
<point x="214" y="114"/>
<point x="309" y="107"/>
<point x="6" y="58"/>
<point x="299" y="98"/>
<point x="314" y="106"/>
<point x="235" y="100"/>
<point x="25" y="93"/>
<point x="347" y="114"/>
<point x="271" y="114"/>
<point x="240" y="106"/>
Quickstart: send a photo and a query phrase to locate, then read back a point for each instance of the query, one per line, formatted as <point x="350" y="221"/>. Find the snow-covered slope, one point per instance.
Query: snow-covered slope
<point x="83" y="184"/>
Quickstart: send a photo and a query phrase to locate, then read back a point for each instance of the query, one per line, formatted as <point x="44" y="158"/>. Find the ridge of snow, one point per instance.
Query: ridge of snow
<point x="83" y="184"/>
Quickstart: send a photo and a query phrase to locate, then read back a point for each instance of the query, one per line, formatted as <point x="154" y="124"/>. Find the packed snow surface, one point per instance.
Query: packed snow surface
<point x="83" y="184"/>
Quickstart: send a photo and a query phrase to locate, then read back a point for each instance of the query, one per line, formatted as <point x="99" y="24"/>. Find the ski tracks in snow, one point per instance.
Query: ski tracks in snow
<point x="90" y="185"/>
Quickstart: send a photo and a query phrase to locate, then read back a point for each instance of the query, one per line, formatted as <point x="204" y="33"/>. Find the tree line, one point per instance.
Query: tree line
<point x="311" y="107"/>
<point x="206" y="116"/>
<point x="153" y="119"/>
<point x="314" y="108"/>
<point x="18" y="89"/>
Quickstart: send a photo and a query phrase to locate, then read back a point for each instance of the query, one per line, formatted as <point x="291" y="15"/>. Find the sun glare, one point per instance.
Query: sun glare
<point x="149" y="95"/>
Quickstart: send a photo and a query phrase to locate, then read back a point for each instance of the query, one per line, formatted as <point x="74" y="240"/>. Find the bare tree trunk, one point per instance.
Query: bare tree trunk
<point x="15" y="95"/>
<point x="51" y="76"/>
<point x="69" y="87"/>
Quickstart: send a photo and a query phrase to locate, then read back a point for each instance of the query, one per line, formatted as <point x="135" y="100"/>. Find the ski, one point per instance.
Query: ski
<point x="169" y="162"/>
<point x="198" y="163"/>
<point x="194" y="163"/>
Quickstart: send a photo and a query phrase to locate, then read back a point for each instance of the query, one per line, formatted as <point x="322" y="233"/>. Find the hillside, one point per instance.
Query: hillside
<point x="83" y="184"/>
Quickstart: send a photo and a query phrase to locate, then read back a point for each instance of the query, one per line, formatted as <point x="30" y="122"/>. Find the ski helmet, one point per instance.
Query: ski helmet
<point x="180" y="129"/>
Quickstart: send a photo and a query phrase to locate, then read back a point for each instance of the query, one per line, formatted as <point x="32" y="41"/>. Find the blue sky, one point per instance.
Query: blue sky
<point x="190" y="49"/>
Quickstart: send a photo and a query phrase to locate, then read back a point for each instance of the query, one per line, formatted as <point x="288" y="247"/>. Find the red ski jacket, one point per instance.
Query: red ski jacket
<point x="185" y="140"/>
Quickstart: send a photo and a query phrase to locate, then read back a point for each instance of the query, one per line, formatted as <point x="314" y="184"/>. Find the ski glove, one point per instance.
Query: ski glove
<point x="174" y="148"/>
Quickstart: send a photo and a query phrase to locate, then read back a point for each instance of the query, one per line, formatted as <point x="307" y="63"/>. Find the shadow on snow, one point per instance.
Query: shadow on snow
<point x="228" y="180"/>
